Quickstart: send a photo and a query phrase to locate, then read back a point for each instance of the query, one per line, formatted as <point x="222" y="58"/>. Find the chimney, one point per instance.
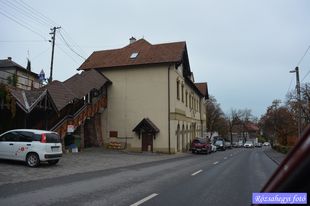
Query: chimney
<point x="10" y="58"/>
<point x="132" y="40"/>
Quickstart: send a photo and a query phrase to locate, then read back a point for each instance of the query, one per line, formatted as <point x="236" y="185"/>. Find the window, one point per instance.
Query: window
<point x="25" y="136"/>
<point x="186" y="98"/>
<point x="178" y="89"/>
<point x="10" y="137"/>
<point x="182" y="90"/>
<point x="134" y="55"/>
<point x="190" y="101"/>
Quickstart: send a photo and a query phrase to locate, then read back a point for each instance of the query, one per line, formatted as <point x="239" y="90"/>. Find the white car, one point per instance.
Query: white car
<point x="266" y="144"/>
<point x="31" y="146"/>
<point x="248" y="144"/>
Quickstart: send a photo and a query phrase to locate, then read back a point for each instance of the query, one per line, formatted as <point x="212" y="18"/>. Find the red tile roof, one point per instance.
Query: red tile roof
<point x="147" y="54"/>
<point x="76" y="87"/>
<point x="203" y="88"/>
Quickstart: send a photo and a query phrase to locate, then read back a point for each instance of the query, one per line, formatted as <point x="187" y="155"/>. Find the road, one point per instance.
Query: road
<point x="222" y="178"/>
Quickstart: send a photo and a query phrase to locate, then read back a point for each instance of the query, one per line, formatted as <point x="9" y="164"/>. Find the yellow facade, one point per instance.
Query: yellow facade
<point x="150" y="91"/>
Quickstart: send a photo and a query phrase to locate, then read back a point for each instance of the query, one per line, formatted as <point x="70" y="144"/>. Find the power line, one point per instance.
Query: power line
<point x="305" y="76"/>
<point x="290" y="85"/>
<point x="23" y="25"/>
<point x="21" y="41"/>
<point x="68" y="45"/>
<point x="302" y="58"/>
<point x="66" y="53"/>
<point x="25" y="13"/>
<point x="50" y="21"/>
<point x="74" y="43"/>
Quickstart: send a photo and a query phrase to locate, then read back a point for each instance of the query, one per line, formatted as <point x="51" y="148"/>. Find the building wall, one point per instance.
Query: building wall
<point x="137" y="93"/>
<point x="25" y="80"/>
<point x="185" y="111"/>
<point x="142" y="92"/>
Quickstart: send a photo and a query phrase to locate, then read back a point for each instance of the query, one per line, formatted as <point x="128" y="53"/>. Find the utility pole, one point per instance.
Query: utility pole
<point x="53" y="33"/>
<point x="298" y="99"/>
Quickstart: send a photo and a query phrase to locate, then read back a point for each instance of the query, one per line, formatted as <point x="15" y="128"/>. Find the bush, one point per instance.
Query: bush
<point x="282" y="149"/>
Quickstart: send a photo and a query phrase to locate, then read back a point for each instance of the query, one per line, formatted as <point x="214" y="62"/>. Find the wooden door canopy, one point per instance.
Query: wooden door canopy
<point x="146" y="125"/>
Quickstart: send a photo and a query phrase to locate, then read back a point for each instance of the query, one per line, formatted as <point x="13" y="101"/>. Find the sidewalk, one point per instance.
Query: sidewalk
<point x="275" y="156"/>
<point x="92" y="159"/>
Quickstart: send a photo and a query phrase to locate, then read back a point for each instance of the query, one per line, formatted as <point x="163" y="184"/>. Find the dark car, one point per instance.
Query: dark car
<point x="220" y="145"/>
<point x="200" y="145"/>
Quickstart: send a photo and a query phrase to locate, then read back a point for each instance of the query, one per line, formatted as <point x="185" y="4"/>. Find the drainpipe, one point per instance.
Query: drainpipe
<point x="169" y="141"/>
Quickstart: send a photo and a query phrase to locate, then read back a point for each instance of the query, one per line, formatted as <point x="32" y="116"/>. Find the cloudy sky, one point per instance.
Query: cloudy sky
<point x="243" y="49"/>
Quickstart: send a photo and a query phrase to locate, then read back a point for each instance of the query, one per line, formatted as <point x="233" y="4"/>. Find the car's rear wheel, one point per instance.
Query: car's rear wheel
<point x="53" y="162"/>
<point x="32" y="160"/>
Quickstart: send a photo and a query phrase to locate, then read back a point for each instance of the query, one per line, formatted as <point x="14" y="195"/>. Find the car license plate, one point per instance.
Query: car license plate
<point x="55" y="149"/>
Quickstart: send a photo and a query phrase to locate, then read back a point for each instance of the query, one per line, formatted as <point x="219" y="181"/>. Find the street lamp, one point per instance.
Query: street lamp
<point x="298" y="99"/>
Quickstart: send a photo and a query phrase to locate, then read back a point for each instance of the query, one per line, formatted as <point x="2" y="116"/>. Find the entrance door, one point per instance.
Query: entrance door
<point x="147" y="142"/>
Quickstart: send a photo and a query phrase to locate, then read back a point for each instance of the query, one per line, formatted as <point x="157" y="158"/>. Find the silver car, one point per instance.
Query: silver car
<point x="31" y="146"/>
<point x="248" y="144"/>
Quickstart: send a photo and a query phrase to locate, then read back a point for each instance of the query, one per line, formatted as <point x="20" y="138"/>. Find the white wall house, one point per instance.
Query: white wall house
<point x="153" y="102"/>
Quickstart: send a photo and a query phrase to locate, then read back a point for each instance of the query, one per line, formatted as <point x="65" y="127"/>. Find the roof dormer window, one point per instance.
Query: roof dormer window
<point x="134" y="55"/>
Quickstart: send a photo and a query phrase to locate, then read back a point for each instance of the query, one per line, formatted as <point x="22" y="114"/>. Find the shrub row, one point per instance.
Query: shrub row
<point x="282" y="149"/>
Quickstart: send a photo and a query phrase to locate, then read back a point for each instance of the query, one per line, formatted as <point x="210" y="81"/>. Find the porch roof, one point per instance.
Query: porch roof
<point x="146" y="125"/>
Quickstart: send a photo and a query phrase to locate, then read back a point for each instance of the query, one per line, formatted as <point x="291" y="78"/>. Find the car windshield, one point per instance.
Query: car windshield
<point x="219" y="142"/>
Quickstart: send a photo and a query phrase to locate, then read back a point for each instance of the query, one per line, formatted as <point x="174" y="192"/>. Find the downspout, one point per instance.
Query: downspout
<point x="169" y="140"/>
<point x="201" y="121"/>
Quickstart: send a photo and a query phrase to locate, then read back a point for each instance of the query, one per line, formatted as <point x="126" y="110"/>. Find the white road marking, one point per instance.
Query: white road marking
<point x="215" y="162"/>
<point x="144" y="199"/>
<point x="225" y="158"/>
<point x="195" y="173"/>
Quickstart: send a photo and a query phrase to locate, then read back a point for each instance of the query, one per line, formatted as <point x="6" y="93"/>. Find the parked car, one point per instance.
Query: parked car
<point x="220" y="145"/>
<point x="266" y="144"/>
<point x="235" y="144"/>
<point x="248" y="144"/>
<point x="200" y="145"/>
<point x="240" y="143"/>
<point x="31" y="146"/>
<point x="258" y="144"/>
<point x="228" y="145"/>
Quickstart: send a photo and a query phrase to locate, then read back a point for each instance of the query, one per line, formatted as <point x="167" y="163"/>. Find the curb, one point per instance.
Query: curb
<point x="273" y="159"/>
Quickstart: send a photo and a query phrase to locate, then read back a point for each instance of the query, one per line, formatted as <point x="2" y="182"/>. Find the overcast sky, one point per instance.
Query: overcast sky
<point x="243" y="49"/>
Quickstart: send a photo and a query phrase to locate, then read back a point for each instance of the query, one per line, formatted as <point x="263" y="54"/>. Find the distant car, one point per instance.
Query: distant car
<point x="235" y="144"/>
<point x="228" y="145"/>
<point x="220" y="145"/>
<point x="248" y="144"/>
<point x="240" y="144"/>
<point x="258" y="144"/>
<point x="31" y="146"/>
<point x="266" y="144"/>
<point x="200" y="145"/>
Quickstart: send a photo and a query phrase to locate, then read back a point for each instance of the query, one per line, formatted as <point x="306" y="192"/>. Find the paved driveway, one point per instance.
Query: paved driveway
<point x="93" y="159"/>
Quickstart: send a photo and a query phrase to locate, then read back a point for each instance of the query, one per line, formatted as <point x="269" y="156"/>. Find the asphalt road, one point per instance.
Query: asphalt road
<point x="222" y="178"/>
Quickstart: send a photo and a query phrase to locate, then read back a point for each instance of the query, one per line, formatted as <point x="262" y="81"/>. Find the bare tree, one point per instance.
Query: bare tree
<point x="214" y="115"/>
<point x="278" y="123"/>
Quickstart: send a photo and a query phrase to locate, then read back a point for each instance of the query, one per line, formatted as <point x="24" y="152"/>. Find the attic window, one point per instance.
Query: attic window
<point x="134" y="55"/>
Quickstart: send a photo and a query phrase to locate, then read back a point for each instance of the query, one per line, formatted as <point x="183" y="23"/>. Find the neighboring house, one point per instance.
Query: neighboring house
<point x="154" y="104"/>
<point x="251" y="130"/>
<point x="18" y="76"/>
<point x="203" y="88"/>
<point x="65" y="107"/>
